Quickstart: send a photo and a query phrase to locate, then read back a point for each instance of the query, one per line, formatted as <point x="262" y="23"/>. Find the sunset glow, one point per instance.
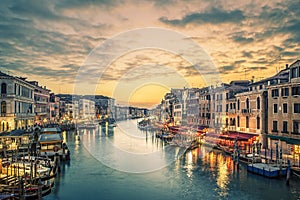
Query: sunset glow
<point x="51" y="41"/>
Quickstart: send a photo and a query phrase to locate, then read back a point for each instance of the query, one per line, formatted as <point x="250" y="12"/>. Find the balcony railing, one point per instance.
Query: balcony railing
<point x="7" y="114"/>
<point x="15" y="96"/>
<point x="42" y="102"/>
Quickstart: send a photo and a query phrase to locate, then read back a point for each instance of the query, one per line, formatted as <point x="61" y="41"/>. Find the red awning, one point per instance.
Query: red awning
<point x="237" y="135"/>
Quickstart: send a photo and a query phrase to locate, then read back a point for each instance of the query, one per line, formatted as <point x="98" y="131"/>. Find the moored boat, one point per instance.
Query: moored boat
<point x="52" y="144"/>
<point x="38" y="191"/>
<point x="267" y="170"/>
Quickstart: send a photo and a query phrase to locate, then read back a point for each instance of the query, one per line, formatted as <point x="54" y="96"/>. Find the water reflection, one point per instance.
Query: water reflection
<point x="133" y="153"/>
<point x="189" y="164"/>
<point x="219" y="166"/>
<point x="198" y="174"/>
<point x="223" y="173"/>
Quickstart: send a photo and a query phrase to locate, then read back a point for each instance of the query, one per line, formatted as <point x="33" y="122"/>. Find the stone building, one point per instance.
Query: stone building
<point x="224" y="101"/>
<point x="54" y="108"/>
<point x="17" y="103"/>
<point x="167" y="106"/>
<point x="41" y="103"/>
<point x="284" y="110"/>
<point x="205" y="106"/>
<point x="86" y="109"/>
<point x="250" y="109"/>
<point x="121" y="112"/>
<point x="192" y="107"/>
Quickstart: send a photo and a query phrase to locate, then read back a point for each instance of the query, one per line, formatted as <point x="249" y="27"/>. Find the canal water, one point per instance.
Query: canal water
<point x="126" y="163"/>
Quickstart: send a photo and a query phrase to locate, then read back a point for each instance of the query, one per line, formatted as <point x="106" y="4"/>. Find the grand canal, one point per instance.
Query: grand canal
<point x="95" y="172"/>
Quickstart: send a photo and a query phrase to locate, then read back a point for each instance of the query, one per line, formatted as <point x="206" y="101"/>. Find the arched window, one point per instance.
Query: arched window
<point x="3" y="88"/>
<point x="238" y="104"/>
<point x="258" y="103"/>
<point x="3" y="107"/>
<point x="3" y="126"/>
<point x="247" y="104"/>
<point x="238" y="121"/>
<point x="247" y="121"/>
<point x="257" y="122"/>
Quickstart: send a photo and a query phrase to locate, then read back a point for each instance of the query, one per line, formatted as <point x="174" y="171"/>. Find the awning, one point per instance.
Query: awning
<point x="51" y="130"/>
<point x="50" y="137"/>
<point x="286" y="139"/>
<point x="16" y="133"/>
<point x="238" y="136"/>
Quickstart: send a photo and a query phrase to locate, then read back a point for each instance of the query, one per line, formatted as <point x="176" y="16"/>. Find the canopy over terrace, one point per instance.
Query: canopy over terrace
<point x="16" y="138"/>
<point x="286" y="139"/>
<point x="15" y="133"/>
<point x="234" y="135"/>
<point x="195" y="128"/>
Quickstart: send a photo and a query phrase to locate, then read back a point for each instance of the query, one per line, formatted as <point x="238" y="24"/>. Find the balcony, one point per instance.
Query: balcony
<point x="41" y="102"/>
<point x="7" y="114"/>
<point x="231" y="128"/>
<point x="24" y="114"/>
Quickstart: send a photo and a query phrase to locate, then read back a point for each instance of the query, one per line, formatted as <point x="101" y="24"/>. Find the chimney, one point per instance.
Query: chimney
<point x="286" y="66"/>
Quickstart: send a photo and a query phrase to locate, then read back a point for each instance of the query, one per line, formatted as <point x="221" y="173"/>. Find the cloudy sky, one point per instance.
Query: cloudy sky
<point x="55" y="42"/>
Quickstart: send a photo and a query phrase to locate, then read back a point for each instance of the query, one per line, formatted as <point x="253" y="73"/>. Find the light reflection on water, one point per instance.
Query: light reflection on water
<point x="223" y="171"/>
<point x="117" y="149"/>
<point x="199" y="174"/>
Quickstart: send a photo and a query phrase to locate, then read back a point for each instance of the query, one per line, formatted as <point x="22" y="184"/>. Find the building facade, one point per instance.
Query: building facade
<point x="121" y="112"/>
<point x="86" y="109"/>
<point x="224" y="100"/>
<point x="205" y="105"/>
<point x="54" y="108"/>
<point x="250" y="118"/>
<point x="17" y="103"/>
<point x="167" y="108"/>
<point x="192" y="107"/>
<point x="41" y="103"/>
<point x="284" y="112"/>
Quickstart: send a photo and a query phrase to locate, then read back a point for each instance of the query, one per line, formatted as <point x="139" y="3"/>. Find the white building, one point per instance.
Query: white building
<point x="17" y="103"/>
<point x="86" y="109"/>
